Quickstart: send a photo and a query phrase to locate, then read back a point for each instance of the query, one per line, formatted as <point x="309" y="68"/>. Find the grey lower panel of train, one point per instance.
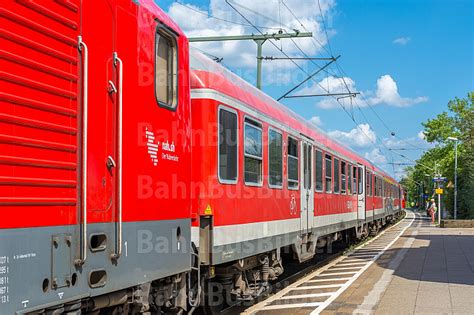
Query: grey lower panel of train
<point x="31" y="256"/>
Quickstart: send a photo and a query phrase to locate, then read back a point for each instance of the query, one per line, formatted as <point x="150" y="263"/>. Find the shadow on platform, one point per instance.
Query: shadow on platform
<point x="432" y="254"/>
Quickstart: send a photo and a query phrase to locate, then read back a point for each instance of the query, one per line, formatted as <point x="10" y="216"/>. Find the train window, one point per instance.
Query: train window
<point x="328" y="159"/>
<point x="307" y="174"/>
<point x="349" y="179"/>
<point x="343" y="177"/>
<point x="166" y="68"/>
<point x="319" y="171"/>
<point x="354" y="180"/>
<point x="337" y="176"/>
<point x="253" y="154"/>
<point x="376" y="186"/>
<point x="360" y="188"/>
<point x="368" y="184"/>
<point x="228" y="149"/>
<point x="275" y="157"/>
<point x="292" y="163"/>
<point x="380" y="187"/>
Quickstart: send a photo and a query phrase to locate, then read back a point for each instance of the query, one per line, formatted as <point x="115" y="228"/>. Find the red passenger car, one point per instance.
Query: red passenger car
<point x="270" y="180"/>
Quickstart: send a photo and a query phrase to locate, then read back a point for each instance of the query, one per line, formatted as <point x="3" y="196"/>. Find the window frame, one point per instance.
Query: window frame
<point x="316" y="170"/>
<point x="307" y="179"/>
<point x="230" y="110"/>
<point x="288" y="164"/>
<point x="270" y="128"/>
<point x="360" y="181"/>
<point x="253" y="184"/>
<point x="354" y="180"/>
<point x="343" y="176"/>
<point x="331" y="187"/>
<point x="165" y="31"/>
<point x="338" y="175"/>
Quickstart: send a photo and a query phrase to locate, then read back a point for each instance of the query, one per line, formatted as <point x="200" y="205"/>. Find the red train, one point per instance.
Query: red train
<point x="131" y="178"/>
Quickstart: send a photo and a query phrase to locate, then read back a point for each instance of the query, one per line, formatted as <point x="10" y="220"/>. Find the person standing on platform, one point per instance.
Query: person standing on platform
<point x="432" y="210"/>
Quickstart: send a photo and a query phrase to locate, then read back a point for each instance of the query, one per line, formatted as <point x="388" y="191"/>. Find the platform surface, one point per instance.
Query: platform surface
<point x="420" y="269"/>
<point x="428" y="270"/>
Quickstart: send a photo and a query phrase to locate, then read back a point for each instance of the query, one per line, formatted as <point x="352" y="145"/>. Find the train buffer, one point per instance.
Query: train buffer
<point x="411" y="268"/>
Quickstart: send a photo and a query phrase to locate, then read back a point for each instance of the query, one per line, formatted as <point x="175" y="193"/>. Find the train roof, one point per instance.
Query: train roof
<point x="208" y="74"/>
<point x="160" y="15"/>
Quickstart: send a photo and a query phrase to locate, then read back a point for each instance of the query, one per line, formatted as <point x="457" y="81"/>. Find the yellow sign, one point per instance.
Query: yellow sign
<point x="439" y="191"/>
<point x="208" y="210"/>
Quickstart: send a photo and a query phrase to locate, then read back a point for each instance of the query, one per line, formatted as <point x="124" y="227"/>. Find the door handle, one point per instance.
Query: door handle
<point x="83" y="50"/>
<point x="110" y="163"/>
<point x="119" y="65"/>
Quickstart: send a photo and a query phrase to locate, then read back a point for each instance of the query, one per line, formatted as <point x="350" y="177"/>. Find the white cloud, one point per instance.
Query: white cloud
<point x="241" y="54"/>
<point x="331" y="84"/>
<point x="421" y="135"/>
<point x="375" y="156"/>
<point x="360" y="137"/>
<point x="316" y="120"/>
<point x="411" y="143"/>
<point x="401" y="40"/>
<point x="387" y="93"/>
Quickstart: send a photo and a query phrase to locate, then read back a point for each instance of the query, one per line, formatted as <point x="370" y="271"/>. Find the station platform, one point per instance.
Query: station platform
<point x="412" y="268"/>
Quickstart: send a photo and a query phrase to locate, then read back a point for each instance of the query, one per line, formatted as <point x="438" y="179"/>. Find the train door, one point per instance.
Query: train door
<point x="307" y="191"/>
<point x="361" y="192"/>
<point x="100" y="89"/>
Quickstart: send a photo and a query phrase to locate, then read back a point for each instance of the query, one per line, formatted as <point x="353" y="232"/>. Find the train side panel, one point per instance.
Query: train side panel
<point x="55" y="57"/>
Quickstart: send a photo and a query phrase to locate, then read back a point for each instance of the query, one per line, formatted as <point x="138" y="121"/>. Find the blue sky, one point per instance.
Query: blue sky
<point x="408" y="58"/>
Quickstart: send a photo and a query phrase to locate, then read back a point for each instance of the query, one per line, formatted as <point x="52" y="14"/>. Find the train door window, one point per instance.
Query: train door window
<point x="343" y="177"/>
<point x="319" y="171"/>
<point x="360" y="188"/>
<point x="354" y="180"/>
<point x="166" y="68"/>
<point x="275" y="158"/>
<point x="228" y="146"/>
<point x="307" y="174"/>
<point x="376" y="193"/>
<point x="348" y="178"/>
<point x="328" y="159"/>
<point x="292" y="163"/>
<point x="253" y="153"/>
<point x="337" y="176"/>
<point x="369" y="184"/>
<point x="380" y="188"/>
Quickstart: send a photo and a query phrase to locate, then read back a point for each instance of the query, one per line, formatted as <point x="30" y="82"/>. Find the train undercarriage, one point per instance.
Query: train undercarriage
<point x="210" y="288"/>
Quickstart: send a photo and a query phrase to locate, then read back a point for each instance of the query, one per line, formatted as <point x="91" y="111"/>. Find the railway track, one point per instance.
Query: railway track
<point x="294" y="272"/>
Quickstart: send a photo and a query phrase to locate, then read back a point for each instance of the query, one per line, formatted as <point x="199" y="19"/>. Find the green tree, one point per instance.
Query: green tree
<point x="457" y="122"/>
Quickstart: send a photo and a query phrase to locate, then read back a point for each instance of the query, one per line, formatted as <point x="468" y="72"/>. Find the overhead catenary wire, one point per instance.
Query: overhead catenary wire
<point x="337" y="65"/>
<point x="319" y="43"/>
<point x="324" y="26"/>
<point x="304" y="27"/>
<point x="220" y="18"/>
<point x="304" y="71"/>
<point x="341" y="77"/>
<point x="392" y="133"/>
<point x="276" y="46"/>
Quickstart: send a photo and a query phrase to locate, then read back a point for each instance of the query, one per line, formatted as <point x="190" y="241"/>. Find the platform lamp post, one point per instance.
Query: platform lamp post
<point x="456" y="140"/>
